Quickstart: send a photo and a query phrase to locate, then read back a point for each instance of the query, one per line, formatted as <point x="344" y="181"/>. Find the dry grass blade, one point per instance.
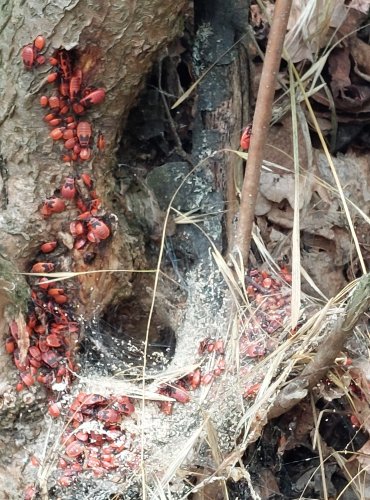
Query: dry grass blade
<point x="71" y="274"/>
<point x="159" y="493"/>
<point x="45" y="471"/>
<point x="181" y="456"/>
<point x="319" y="446"/>
<point x="263" y="250"/>
<point x="314" y="472"/>
<point x="212" y="440"/>
<point x="113" y="386"/>
<point x="236" y="286"/>
<point x="312" y="284"/>
<point x="296" y="244"/>
<point x="279" y="111"/>
<point x="355" y="482"/>
<point x="172" y="374"/>
<point x="189" y="218"/>
<point x="266" y="392"/>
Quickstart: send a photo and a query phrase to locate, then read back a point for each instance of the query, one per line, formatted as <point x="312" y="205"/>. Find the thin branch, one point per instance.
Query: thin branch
<point x="179" y="149"/>
<point x="261" y="121"/>
<point x="298" y="388"/>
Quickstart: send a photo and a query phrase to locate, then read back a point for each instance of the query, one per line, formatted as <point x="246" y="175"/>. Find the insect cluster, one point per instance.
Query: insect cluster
<point x="51" y="329"/>
<point x="67" y="104"/>
<point x="89" y="225"/>
<point x="31" y="53"/>
<point x="179" y="390"/>
<point x="94" y="439"/>
<point x="272" y="306"/>
<point x="270" y="299"/>
<point x="44" y="349"/>
<point x="51" y="334"/>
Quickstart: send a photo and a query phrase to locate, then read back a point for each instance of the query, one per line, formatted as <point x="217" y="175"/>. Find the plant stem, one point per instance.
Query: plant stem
<point x="261" y="121"/>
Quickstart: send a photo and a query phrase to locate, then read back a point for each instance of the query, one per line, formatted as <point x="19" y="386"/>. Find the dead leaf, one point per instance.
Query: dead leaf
<point x="263" y="206"/>
<point x="339" y="15"/>
<point x="363" y="456"/>
<point x="268" y="485"/>
<point x="281" y="217"/>
<point x="279" y="148"/>
<point x="360" y="52"/>
<point x="356" y="100"/>
<point x="351" y="23"/>
<point x="360" y="5"/>
<point x="339" y="66"/>
<point x="328" y="278"/>
<point x="309" y="29"/>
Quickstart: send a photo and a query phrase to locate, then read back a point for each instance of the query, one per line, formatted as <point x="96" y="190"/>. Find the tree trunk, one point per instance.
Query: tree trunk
<point x="108" y="41"/>
<point x="116" y="44"/>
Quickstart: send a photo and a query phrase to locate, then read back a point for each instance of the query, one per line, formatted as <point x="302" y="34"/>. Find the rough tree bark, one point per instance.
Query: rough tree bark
<point x="116" y="43"/>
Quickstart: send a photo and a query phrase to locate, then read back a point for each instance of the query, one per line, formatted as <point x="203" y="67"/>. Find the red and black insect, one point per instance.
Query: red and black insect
<point x="44" y="101"/>
<point x="84" y="133"/>
<point x="57" y="133"/>
<point x="98" y="230"/>
<point x="42" y="267"/>
<point x="246" y="137"/>
<point x="65" y="64"/>
<point x="48" y="246"/>
<point x="85" y="154"/>
<point x="75" y="85"/>
<point x="68" y="190"/>
<point x="52" y="206"/>
<point x="39" y="43"/>
<point x="100" y="142"/>
<point x="94" y="97"/>
<point x="28" y="56"/>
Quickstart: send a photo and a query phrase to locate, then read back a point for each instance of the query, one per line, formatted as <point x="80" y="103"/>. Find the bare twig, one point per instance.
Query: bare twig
<point x="262" y="117"/>
<point x="179" y="149"/>
<point x="298" y="388"/>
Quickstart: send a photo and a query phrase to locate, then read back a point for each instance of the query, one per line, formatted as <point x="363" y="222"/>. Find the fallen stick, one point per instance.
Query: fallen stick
<point x="298" y="388"/>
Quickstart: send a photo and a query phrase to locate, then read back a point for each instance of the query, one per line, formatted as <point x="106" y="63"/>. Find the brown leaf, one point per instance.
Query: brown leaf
<point x="268" y="485"/>
<point x="351" y="23"/>
<point x="364" y="455"/>
<point x="355" y="100"/>
<point x="360" y="5"/>
<point x="339" y="66"/>
<point x="360" y="51"/>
